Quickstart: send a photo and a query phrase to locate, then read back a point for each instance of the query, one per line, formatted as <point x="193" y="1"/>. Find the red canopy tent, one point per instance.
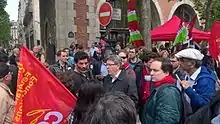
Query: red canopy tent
<point x="168" y="31"/>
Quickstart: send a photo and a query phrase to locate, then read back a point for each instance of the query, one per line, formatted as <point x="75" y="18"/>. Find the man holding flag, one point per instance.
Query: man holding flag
<point x="40" y="97"/>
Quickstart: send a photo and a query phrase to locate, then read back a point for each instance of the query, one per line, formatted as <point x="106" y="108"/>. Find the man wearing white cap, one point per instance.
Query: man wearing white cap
<point x="199" y="85"/>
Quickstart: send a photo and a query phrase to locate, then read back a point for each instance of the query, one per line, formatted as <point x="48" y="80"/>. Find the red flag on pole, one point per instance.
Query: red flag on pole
<point x="214" y="42"/>
<point x="40" y="97"/>
<point x="191" y="25"/>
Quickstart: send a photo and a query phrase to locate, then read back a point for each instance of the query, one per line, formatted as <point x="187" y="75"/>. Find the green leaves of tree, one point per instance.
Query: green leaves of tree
<point x="208" y="10"/>
<point x="5" y="26"/>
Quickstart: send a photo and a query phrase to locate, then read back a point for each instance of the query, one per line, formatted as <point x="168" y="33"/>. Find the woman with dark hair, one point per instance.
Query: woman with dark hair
<point x="87" y="95"/>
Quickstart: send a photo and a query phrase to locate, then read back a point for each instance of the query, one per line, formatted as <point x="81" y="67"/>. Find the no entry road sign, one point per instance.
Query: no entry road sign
<point x="105" y="14"/>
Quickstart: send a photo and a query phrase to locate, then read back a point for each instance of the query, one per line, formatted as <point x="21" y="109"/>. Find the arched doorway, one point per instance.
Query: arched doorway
<point x="155" y="17"/>
<point x="186" y="10"/>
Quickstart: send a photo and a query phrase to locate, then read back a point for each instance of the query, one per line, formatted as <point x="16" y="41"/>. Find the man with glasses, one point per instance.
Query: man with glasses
<point x="199" y="84"/>
<point x="6" y="96"/>
<point x="118" y="80"/>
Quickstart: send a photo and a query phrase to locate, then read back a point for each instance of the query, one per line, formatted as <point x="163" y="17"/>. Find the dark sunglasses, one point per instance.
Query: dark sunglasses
<point x="123" y="57"/>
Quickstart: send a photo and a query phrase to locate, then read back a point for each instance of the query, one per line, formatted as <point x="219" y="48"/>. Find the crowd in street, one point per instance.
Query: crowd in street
<point x="127" y="86"/>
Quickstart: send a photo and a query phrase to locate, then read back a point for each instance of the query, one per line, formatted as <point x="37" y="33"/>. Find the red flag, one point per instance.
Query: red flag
<point x="214" y="42"/>
<point x="40" y="97"/>
<point x="135" y="38"/>
<point x="191" y="25"/>
<point x="181" y="22"/>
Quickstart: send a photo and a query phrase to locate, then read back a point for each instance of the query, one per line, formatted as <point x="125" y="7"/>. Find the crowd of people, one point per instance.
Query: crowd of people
<point x="127" y="86"/>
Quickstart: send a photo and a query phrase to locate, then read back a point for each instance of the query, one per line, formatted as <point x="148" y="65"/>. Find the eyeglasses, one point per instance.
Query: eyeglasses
<point x="131" y="52"/>
<point x="123" y="57"/>
<point x="110" y="64"/>
<point x="65" y="56"/>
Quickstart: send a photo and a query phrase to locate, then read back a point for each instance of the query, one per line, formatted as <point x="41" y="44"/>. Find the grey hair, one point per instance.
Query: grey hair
<point x="115" y="58"/>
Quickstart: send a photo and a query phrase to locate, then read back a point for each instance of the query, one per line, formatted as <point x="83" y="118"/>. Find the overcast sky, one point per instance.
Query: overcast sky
<point x="12" y="9"/>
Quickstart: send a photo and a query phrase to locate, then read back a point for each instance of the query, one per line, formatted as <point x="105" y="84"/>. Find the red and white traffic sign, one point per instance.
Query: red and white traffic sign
<point x="105" y="14"/>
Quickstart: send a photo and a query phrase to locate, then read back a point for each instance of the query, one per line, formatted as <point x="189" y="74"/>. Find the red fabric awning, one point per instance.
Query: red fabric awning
<point x="168" y="31"/>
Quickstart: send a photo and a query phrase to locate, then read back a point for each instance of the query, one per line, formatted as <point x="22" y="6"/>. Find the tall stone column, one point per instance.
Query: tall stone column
<point x="91" y="16"/>
<point x="36" y="22"/>
<point x="81" y="21"/>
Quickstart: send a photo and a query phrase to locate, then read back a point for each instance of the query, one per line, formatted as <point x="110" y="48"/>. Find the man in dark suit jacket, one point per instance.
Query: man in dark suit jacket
<point x="118" y="80"/>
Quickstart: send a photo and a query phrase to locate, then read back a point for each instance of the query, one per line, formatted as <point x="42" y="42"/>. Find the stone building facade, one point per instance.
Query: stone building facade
<point x="14" y="32"/>
<point x="67" y="21"/>
<point x="21" y="14"/>
<point x="29" y="23"/>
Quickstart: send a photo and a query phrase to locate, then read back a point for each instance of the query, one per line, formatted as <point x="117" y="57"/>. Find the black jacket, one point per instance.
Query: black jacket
<point x="12" y="60"/>
<point x="96" y="70"/>
<point x="57" y="68"/>
<point x="79" y="79"/>
<point x="138" y="71"/>
<point x="123" y="83"/>
<point x="13" y="84"/>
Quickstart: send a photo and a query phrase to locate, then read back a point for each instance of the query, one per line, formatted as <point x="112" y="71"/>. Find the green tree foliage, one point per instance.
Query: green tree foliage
<point x="5" y="26"/>
<point x="209" y="10"/>
<point x="215" y="12"/>
<point x="3" y="3"/>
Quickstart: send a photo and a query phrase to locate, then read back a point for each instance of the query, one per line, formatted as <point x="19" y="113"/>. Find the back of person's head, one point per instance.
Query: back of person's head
<point x="90" y="91"/>
<point x="15" y="51"/>
<point x="148" y="55"/>
<point x="66" y="79"/>
<point x="112" y="108"/>
<point x="79" y="47"/>
<point x="204" y="51"/>
<point x="154" y="49"/>
<point x="80" y="56"/>
<point x="87" y="95"/>
<point x="3" y="57"/>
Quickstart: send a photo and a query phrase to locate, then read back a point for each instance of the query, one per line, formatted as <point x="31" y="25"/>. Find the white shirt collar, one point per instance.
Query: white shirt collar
<point x="116" y="76"/>
<point x="195" y="74"/>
